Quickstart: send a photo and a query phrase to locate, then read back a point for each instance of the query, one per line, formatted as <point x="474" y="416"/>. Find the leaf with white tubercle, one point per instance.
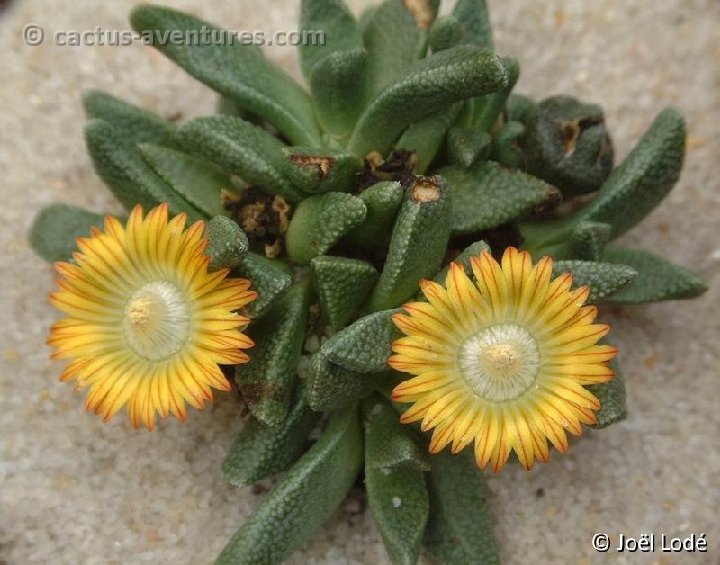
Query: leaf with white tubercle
<point x="444" y="78"/>
<point x="270" y="279"/>
<point x="237" y="71"/>
<point x="304" y="498"/>
<point x="395" y="467"/>
<point x="321" y="170"/>
<point x="267" y="380"/>
<point x="657" y="278"/>
<point x="243" y="149"/>
<point x="603" y="279"/>
<point x="260" y="451"/>
<point x="227" y="243"/>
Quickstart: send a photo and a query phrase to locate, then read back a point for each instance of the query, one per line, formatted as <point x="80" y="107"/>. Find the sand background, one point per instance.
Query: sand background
<point x="73" y="490"/>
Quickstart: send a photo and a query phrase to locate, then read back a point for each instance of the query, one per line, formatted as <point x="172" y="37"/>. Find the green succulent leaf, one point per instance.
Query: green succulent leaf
<point x="269" y="279"/>
<point x="445" y="32"/>
<point x="337" y="83"/>
<point x="136" y="124"/>
<point x="395" y="483"/>
<point x="322" y="170"/>
<point x="260" y="451"/>
<point x="417" y="245"/>
<point x="459" y="528"/>
<point x="340" y="31"/>
<point x="612" y="398"/>
<point x="121" y="166"/>
<point x="473" y="250"/>
<point x="365" y="345"/>
<point x="319" y="222"/>
<point x="603" y="279"/>
<point x="241" y="148"/>
<point x="227" y="243"/>
<point x="657" y="279"/>
<point x="55" y="229"/>
<point x="198" y="181"/>
<point x="476" y="21"/>
<point x="304" y="499"/>
<point x="426" y="136"/>
<point x="382" y="201"/>
<point x="393" y="41"/>
<point x="520" y="108"/>
<point x="466" y="145"/>
<point x="237" y="71"/>
<point x="487" y="195"/>
<point x="429" y="85"/>
<point x="505" y="148"/>
<point x="331" y="386"/>
<point x="267" y="380"/>
<point x="342" y="285"/>
<point x="567" y="144"/>
<point x="588" y="240"/>
<point x="643" y="179"/>
<point x="488" y="108"/>
<point x="390" y="445"/>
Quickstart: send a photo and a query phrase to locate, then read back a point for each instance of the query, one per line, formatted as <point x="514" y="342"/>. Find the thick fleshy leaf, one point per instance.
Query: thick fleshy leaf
<point x="489" y="107"/>
<point x="319" y="222"/>
<point x="417" y="245"/>
<point x="270" y="279"/>
<point x="382" y="201"/>
<point x="227" y="243"/>
<point x="266" y="382"/>
<point x="604" y="279"/>
<point x="473" y="250"/>
<point x="243" y="149"/>
<point x="567" y="144"/>
<point x="338" y="24"/>
<point x="465" y="145"/>
<point x="429" y="85"/>
<point x="520" y="108"/>
<point x="260" y="451"/>
<point x="460" y="525"/>
<point x="505" y="148"/>
<point x="643" y="179"/>
<point x="135" y="123"/>
<point x="588" y="240"/>
<point x="365" y="345"/>
<point x="395" y="483"/>
<point x="612" y="398"/>
<point x="337" y="83"/>
<point x="487" y="195"/>
<point x="342" y="285"/>
<point x="331" y="387"/>
<point x="390" y="445"/>
<point x="237" y="71"/>
<point x="426" y="136"/>
<point x="322" y="170"/>
<point x="475" y="19"/>
<point x="55" y="229"/>
<point x="120" y="165"/>
<point x="304" y="499"/>
<point x="445" y="32"/>
<point x="198" y="181"/>
<point x="394" y="42"/>
<point x="657" y="279"/>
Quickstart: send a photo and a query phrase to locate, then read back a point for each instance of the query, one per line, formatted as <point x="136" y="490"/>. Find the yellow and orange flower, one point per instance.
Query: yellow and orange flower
<point x="501" y="361"/>
<point x="147" y="323"/>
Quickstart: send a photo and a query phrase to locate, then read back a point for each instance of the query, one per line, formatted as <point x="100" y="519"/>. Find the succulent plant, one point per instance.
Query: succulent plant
<point x="408" y="152"/>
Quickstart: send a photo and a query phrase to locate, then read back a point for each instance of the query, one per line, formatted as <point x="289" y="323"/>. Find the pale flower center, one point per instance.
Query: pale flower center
<point x="500" y="362"/>
<point x="156" y="320"/>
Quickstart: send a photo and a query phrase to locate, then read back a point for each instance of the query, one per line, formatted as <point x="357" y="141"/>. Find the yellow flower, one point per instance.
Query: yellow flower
<point x="147" y="323"/>
<point x="501" y="360"/>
